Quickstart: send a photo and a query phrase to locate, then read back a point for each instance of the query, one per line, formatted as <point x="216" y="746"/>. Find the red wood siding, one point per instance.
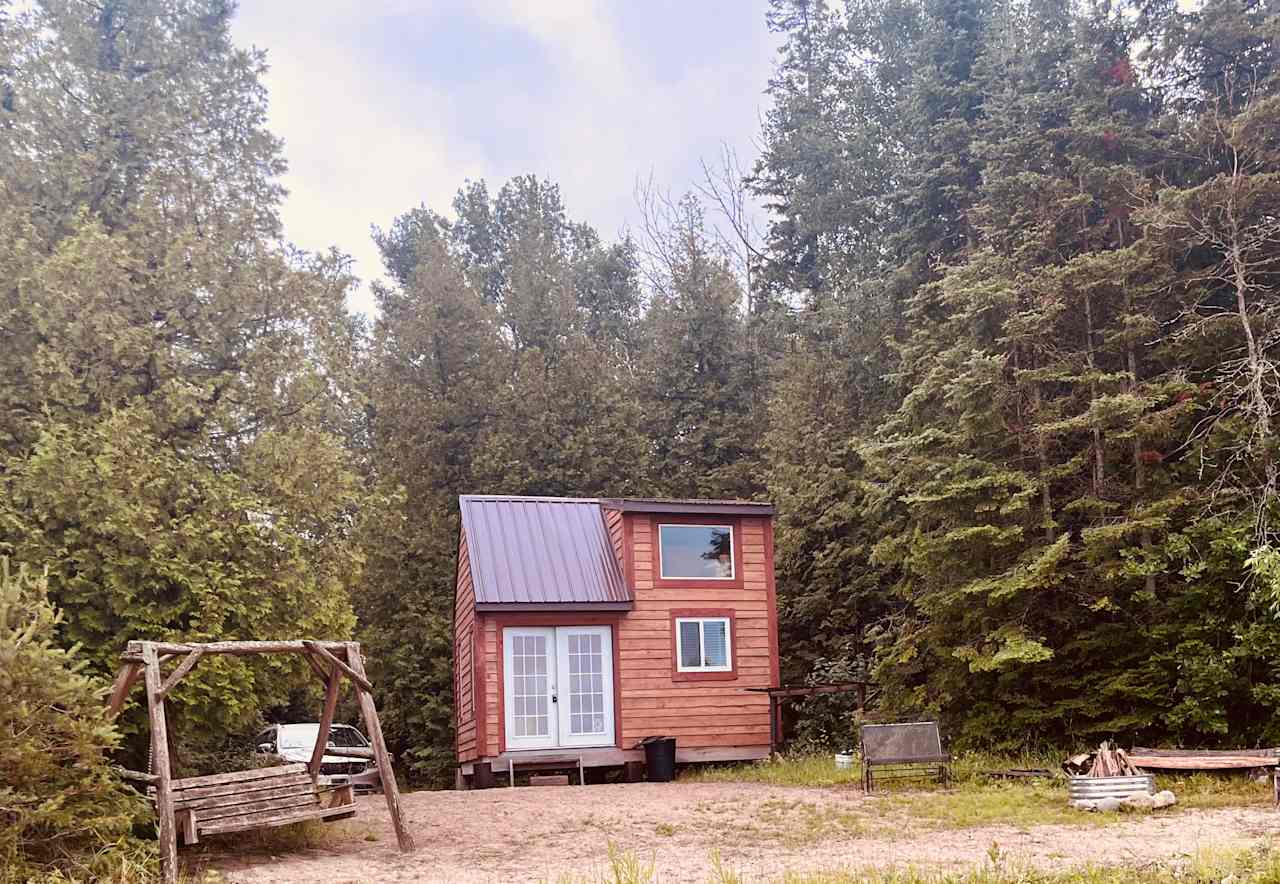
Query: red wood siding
<point x="464" y="646"/>
<point x="699" y="714"/>
<point x="648" y="698"/>
<point x="492" y="686"/>
<point x="613" y="523"/>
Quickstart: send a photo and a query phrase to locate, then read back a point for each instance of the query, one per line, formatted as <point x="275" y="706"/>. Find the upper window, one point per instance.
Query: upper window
<point x="696" y="552"/>
<point x="702" y="644"/>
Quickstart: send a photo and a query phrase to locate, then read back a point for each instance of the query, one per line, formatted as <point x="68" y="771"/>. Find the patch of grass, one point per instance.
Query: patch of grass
<point x="625" y="867"/>
<point x="786" y="770"/>
<point x="1207" y="791"/>
<point x="977" y="799"/>
<point x="786" y="821"/>
<point x="803" y="822"/>
<point x="666" y="830"/>
<point x="1260" y="865"/>
<point x="285" y="839"/>
<point x="820" y="770"/>
<point x="1017" y="804"/>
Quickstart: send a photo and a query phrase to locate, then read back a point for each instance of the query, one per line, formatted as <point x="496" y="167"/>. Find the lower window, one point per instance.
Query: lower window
<point x="703" y="644"/>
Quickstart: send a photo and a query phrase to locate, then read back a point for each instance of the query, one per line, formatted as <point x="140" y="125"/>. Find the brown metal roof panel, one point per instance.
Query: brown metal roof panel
<point x="527" y="550"/>
<point x="690" y="506"/>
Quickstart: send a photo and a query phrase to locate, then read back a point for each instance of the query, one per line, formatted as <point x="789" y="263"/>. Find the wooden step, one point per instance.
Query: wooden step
<point x="549" y="780"/>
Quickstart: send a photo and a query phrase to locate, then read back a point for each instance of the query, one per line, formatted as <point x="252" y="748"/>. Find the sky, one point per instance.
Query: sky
<point x="387" y="104"/>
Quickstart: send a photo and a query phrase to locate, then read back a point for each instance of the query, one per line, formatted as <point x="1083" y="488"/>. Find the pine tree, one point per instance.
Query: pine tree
<point x="65" y="811"/>
<point x="175" y="382"/>
<point x="702" y="408"/>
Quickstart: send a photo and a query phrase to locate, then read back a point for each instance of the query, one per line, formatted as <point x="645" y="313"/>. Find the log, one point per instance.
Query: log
<point x="186" y="821"/>
<point x="183" y="668"/>
<point x="1201" y="753"/>
<point x="316" y="667"/>
<point x="160" y="760"/>
<point x="218" y="796"/>
<point x="386" y="773"/>
<point x="357" y="677"/>
<point x="134" y="648"/>
<point x="350" y="752"/>
<point x="1203" y="762"/>
<point x="136" y="776"/>
<point x="272" y="786"/>
<point x="331" y="691"/>
<point x="242" y="776"/>
<point x="128" y="677"/>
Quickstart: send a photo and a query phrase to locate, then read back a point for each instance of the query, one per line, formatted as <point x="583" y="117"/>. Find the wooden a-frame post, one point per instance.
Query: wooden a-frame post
<point x="370" y="715"/>
<point x="160" y="765"/>
<point x="143" y="660"/>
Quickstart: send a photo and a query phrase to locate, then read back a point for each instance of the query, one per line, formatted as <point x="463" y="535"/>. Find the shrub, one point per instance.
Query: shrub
<point x="63" y="812"/>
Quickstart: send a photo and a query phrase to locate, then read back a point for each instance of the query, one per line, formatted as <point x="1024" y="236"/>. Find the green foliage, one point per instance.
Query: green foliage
<point x="176" y="390"/>
<point x="61" y="806"/>
<point x="1046" y="508"/>
<point x="1004" y="361"/>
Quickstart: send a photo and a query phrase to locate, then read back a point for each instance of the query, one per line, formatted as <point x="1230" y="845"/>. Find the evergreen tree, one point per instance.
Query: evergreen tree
<point x="65" y="811"/>
<point x="702" y="404"/>
<point x="175" y="382"/>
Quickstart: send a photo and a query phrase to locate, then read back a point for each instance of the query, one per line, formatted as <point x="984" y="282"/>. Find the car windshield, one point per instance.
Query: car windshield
<point x="303" y="736"/>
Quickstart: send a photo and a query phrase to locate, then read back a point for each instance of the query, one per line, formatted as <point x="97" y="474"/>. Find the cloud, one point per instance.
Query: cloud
<point x="385" y="104"/>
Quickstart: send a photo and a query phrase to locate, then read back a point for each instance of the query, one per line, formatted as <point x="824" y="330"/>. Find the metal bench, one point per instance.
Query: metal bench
<point x="901" y="751"/>
<point x="252" y="799"/>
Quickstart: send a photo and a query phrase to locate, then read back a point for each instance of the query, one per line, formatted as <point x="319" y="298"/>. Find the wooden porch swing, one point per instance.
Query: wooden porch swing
<point x="251" y="799"/>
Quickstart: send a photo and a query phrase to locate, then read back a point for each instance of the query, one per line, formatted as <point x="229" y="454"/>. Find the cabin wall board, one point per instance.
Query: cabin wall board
<point x="464" y="645"/>
<point x="699" y="714"/>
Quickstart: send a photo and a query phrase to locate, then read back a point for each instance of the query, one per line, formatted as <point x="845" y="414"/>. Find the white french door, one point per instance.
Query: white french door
<point x="528" y="667"/>
<point x="558" y="686"/>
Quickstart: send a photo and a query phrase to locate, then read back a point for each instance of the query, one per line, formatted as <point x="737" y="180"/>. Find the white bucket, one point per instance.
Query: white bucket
<point x="844" y="762"/>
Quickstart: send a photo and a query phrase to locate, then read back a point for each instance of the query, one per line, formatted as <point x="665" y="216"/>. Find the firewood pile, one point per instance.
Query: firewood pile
<point x="1107" y="761"/>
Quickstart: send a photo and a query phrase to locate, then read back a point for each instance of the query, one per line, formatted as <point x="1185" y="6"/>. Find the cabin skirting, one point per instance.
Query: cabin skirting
<point x="610" y="757"/>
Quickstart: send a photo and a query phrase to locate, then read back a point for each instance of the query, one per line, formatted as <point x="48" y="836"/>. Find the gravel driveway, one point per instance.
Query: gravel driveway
<point x="759" y="831"/>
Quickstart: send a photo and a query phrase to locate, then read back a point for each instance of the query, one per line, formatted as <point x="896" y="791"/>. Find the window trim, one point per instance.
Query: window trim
<point x="702" y="644"/>
<point x="679" y="673"/>
<point x="733" y="547"/>
<point x="735" y="542"/>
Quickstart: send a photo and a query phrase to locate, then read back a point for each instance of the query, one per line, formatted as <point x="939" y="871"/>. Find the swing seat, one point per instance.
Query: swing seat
<point x="255" y="799"/>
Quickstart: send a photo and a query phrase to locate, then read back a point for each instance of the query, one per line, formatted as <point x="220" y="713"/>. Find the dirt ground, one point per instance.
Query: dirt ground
<point x="758" y="831"/>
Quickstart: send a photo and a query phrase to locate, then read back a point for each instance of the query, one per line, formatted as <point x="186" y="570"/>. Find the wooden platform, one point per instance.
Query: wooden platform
<point x="550" y="759"/>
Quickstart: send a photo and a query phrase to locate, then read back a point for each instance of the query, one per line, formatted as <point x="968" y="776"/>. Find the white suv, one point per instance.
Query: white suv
<point x="296" y="742"/>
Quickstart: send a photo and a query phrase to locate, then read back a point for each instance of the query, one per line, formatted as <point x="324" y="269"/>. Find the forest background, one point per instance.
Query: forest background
<point x="1003" y="355"/>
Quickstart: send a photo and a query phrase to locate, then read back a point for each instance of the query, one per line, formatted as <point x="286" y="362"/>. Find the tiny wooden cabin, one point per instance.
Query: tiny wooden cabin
<point x="585" y="625"/>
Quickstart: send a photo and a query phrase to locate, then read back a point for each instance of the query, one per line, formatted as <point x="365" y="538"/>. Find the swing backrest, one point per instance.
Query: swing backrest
<point x="253" y="799"/>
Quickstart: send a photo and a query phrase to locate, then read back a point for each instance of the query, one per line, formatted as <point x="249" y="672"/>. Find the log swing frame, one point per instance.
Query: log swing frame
<point x="330" y="661"/>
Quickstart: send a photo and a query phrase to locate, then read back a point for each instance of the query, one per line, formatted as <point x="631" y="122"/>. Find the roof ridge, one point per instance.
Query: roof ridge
<point x="483" y="497"/>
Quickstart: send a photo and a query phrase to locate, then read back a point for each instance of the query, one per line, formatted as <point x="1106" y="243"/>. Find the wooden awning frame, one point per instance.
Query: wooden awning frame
<point x="330" y="661"/>
<point x="790" y="692"/>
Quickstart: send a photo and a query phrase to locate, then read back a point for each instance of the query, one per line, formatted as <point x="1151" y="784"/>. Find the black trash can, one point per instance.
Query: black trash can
<point x="659" y="759"/>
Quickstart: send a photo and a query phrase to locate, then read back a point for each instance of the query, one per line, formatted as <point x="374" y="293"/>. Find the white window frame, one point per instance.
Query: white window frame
<point x="733" y="550"/>
<point x="702" y="644"/>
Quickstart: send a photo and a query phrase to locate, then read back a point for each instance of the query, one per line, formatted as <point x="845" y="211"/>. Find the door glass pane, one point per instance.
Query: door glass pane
<point x="530" y="706"/>
<point x="690" y="644"/>
<point x="586" y="685"/>
<point x="716" y="642"/>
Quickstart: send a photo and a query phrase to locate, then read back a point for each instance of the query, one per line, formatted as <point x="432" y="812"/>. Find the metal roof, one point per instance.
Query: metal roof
<point x="689" y="505"/>
<point x="533" y="551"/>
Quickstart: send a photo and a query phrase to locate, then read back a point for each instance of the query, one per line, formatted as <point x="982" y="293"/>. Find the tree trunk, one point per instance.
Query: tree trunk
<point x="1093" y="394"/>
